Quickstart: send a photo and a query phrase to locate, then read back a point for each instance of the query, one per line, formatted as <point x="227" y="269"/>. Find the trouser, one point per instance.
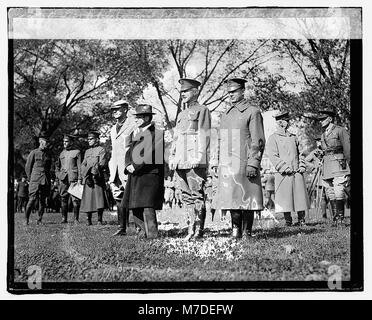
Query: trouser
<point x="123" y="216"/>
<point x="22" y="203"/>
<point x="335" y="191"/>
<point x="145" y="218"/>
<point x="65" y="197"/>
<point x="99" y="214"/>
<point x="40" y="192"/>
<point x="242" y="222"/>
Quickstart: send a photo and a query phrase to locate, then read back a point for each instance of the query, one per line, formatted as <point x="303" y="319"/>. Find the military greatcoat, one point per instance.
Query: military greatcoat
<point x="240" y="144"/>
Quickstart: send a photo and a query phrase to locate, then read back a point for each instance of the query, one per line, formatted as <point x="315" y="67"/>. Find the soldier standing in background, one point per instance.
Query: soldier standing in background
<point x="93" y="178"/>
<point x="120" y="134"/>
<point x="290" y="189"/>
<point x="335" y="143"/>
<point x="22" y="194"/>
<point x="189" y="155"/>
<point x="241" y="144"/>
<point x="37" y="168"/>
<point x="68" y="170"/>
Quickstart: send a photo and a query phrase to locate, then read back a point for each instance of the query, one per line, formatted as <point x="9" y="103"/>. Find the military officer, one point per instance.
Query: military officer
<point x="335" y="143"/>
<point x="189" y="155"/>
<point x="241" y="143"/>
<point x="68" y="170"/>
<point x="144" y="190"/>
<point x="37" y="168"/>
<point x="120" y="134"/>
<point x="93" y="170"/>
<point x="290" y="189"/>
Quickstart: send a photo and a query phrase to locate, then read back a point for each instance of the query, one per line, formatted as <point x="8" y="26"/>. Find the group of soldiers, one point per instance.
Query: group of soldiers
<point x="136" y="166"/>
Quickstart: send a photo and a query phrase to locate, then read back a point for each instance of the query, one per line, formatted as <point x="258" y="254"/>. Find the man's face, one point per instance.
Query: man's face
<point x="119" y="112"/>
<point x="325" y="122"/>
<point x="142" y="120"/>
<point x="66" y="143"/>
<point x="43" y="143"/>
<point x="189" y="95"/>
<point x="92" y="141"/>
<point x="236" y="95"/>
<point x="283" y="123"/>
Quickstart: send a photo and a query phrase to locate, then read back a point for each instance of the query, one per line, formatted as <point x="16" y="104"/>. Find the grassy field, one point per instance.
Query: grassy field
<point x="68" y="252"/>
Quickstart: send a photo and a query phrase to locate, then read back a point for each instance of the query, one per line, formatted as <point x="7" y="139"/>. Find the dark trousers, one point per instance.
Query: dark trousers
<point x="145" y="218"/>
<point x="40" y="193"/>
<point x="22" y="203"/>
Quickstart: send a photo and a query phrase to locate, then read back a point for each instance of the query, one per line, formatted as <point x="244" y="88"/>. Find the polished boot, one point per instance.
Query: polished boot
<point x="64" y="209"/>
<point x="236" y="222"/>
<point x="288" y="218"/>
<point x="199" y="223"/>
<point x="340" y="206"/>
<point x="151" y="224"/>
<point x="191" y="215"/>
<point x="28" y="211"/>
<point x="122" y="222"/>
<point x="334" y="211"/>
<point x="89" y="218"/>
<point x="41" y="213"/>
<point x="301" y="218"/>
<point x="100" y="216"/>
<point x="247" y="223"/>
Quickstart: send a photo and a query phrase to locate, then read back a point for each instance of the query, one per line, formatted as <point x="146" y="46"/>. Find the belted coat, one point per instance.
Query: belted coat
<point x="37" y="169"/>
<point x="69" y="165"/>
<point x="241" y="142"/>
<point x="290" y="190"/>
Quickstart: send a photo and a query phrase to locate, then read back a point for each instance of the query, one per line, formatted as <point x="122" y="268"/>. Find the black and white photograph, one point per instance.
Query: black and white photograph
<point x="185" y="149"/>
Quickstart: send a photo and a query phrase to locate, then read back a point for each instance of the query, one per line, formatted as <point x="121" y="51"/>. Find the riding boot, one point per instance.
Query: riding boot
<point x="236" y="221"/>
<point x="89" y="218"/>
<point x="122" y="221"/>
<point x="301" y="217"/>
<point x="28" y="211"/>
<point x="119" y="211"/>
<point x="64" y="209"/>
<point x="41" y="213"/>
<point x="191" y="217"/>
<point x="100" y="215"/>
<point x="151" y="224"/>
<point x="334" y="210"/>
<point x="340" y="205"/>
<point x="247" y="222"/>
<point x="199" y="223"/>
<point x="76" y="209"/>
<point x="288" y="218"/>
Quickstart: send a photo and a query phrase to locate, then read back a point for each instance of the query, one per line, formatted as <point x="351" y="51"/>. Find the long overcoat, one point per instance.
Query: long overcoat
<point x="290" y="190"/>
<point x="92" y="170"/>
<point x="120" y="146"/>
<point x="240" y="144"/>
<point x="145" y="186"/>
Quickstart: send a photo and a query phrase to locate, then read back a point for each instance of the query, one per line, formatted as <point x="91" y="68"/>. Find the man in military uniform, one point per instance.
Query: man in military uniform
<point x="290" y="188"/>
<point x="93" y="170"/>
<point x="68" y="170"/>
<point x="37" y="168"/>
<point x="120" y="133"/>
<point x="336" y="163"/>
<point x="241" y="144"/>
<point x="189" y="155"/>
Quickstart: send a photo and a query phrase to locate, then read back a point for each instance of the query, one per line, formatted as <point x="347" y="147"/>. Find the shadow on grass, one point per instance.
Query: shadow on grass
<point x="284" y="232"/>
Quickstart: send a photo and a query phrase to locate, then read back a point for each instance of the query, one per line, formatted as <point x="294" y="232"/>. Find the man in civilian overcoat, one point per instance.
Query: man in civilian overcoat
<point x="241" y="143"/>
<point x="144" y="190"/>
<point x="120" y="134"/>
<point x="290" y="188"/>
<point x="37" y="168"/>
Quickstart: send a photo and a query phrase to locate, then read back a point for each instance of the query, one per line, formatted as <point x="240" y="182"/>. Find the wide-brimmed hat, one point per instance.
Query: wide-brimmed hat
<point x="143" y="109"/>
<point x="187" y="83"/>
<point x="119" y="104"/>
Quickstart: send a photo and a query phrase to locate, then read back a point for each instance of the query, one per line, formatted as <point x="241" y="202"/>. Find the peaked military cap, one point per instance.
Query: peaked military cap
<point x="282" y="115"/>
<point x="235" y="83"/>
<point x="143" y="109"/>
<point x="187" y="84"/>
<point x="326" y="113"/>
<point x="69" y="136"/>
<point x="93" y="133"/>
<point x="119" y="104"/>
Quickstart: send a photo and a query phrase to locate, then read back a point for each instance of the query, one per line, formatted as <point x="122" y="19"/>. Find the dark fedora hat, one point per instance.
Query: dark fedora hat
<point x="143" y="109"/>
